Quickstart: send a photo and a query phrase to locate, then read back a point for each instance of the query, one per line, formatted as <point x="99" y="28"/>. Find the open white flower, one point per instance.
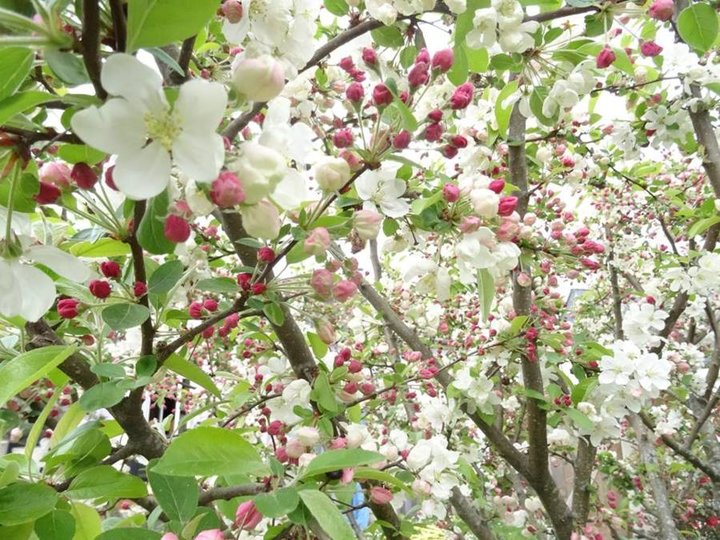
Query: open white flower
<point x="29" y="292"/>
<point x="484" y="32"/>
<point x="382" y="188"/>
<point x="147" y="134"/>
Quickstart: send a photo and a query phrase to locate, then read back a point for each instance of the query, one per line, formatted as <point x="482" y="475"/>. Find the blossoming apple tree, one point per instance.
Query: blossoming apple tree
<point x="359" y="269"/>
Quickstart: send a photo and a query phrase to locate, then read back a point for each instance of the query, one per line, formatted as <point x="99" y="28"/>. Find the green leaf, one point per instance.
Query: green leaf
<point x="327" y="514"/>
<point x="368" y="473"/>
<point x="458" y="73"/>
<point x="39" y="423"/>
<point x="701" y="226"/>
<point x="210" y="451"/>
<point x="24" y="199"/>
<point x="166" y="277"/>
<point x="336" y="460"/>
<point x="478" y="59"/>
<point x="129" y="533"/>
<point x="579" y="419"/>
<point x="337" y="7"/>
<point x="278" y="503"/>
<point x="191" y="371"/>
<point x="23" y="370"/>
<point x="87" y="522"/>
<point x="102" y="396"/>
<point x="20" y="503"/>
<point x="537" y="98"/>
<point x="220" y="285"/>
<point x="388" y="36"/>
<point x="68" y="67"/>
<point x="124" y="316"/>
<point x="153" y="23"/>
<point x="486" y="291"/>
<point x="22" y="102"/>
<point x="104" y="247"/>
<point x="106" y="369"/>
<point x="10" y="473"/>
<point x="318" y="346"/>
<point x="323" y="394"/>
<point x="15" y="65"/>
<point x="698" y="26"/>
<point x="57" y="525"/>
<point x="274" y="312"/>
<point x="503" y="109"/>
<point x="105" y="482"/>
<point x="177" y="495"/>
<point x="151" y="234"/>
<point x="81" y="153"/>
<point x="582" y="388"/>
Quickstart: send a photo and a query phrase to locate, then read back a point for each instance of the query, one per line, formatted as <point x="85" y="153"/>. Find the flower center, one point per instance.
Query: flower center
<point x="258" y="8"/>
<point x="164" y="127"/>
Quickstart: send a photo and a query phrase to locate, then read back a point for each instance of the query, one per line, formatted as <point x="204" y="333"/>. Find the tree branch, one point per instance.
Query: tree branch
<point x="91" y="44"/>
<point x="138" y="257"/>
<point x="470" y="515"/>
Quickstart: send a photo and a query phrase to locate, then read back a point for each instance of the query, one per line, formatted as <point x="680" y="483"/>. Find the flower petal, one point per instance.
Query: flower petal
<point x="367" y="184"/>
<point x="236" y="32"/>
<point x="126" y="76"/>
<point x="143" y="174"/>
<point x="10" y="294"/>
<point x="116" y="127"/>
<point x="66" y="265"/>
<point x="199" y="155"/>
<point x="201" y="105"/>
<point x="38" y="291"/>
<point x="291" y="191"/>
<point x="394" y="208"/>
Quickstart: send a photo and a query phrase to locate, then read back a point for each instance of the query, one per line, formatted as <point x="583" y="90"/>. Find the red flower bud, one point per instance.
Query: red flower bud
<point x="401" y="140"/>
<point x="605" y="58"/>
<point x="355" y="92"/>
<point x="451" y="193"/>
<point x="226" y="190"/>
<point x="369" y="56"/>
<point x="266" y="254"/>
<point x="343" y="138"/>
<point x="258" y="288"/>
<point x="176" y="229"/>
<point x="140" y="289"/>
<point x="497" y="186"/>
<point x="48" y="194"/>
<point x="382" y="95"/>
<point x="83" y="175"/>
<point x="67" y="308"/>
<point x="110" y="269"/>
<point x="100" y="288"/>
<point x="507" y="206"/>
<point x="443" y="60"/>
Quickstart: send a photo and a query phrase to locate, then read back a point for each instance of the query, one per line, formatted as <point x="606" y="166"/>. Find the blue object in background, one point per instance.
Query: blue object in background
<point x="362" y="516"/>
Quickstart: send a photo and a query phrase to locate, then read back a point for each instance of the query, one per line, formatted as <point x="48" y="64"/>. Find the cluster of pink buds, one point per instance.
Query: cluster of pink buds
<point x="198" y="310"/>
<point x="349" y="67"/>
<point x="531" y="336"/>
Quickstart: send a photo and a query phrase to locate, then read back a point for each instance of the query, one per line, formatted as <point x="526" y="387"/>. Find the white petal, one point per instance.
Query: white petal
<point x="126" y="76"/>
<point x="394" y="208"/>
<point x="62" y="263"/>
<point x="300" y="137"/>
<point x="291" y="191"/>
<point x="38" y="291"/>
<point x="143" y="174"/>
<point x="10" y="297"/>
<point x="116" y="127"/>
<point x="367" y="184"/>
<point x="201" y="105"/>
<point x="394" y="188"/>
<point x="199" y="155"/>
<point x="236" y="32"/>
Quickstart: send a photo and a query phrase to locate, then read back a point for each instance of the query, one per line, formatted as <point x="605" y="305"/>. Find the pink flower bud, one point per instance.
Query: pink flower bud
<point x="507" y="205"/>
<point x="433" y="132"/>
<point x="523" y="279"/>
<point x="367" y="388"/>
<point x="212" y="534"/>
<point x="355" y="92"/>
<point x="605" y="58"/>
<point x="325" y="331"/>
<point x="382" y="95"/>
<point x="169" y="536"/>
<point x="497" y="186"/>
<point x="294" y="448"/>
<point x="661" y="10"/>
<point x="470" y="224"/>
<point x="322" y="282"/>
<point x="338" y="443"/>
<point x="176" y="229"/>
<point x="55" y="172"/>
<point x="317" y="242"/>
<point x="109" y="180"/>
<point x="347" y="475"/>
<point x="67" y="308"/>
<point x="233" y="11"/>
<point x="226" y="190"/>
<point x="443" y="60"/>
<point x="435" y="116"/>
<point x="247" y="516"/>
<point x="195" y="310"/>
<point x="451" y="193"/>
<point x="139" y="289"/>
<point x="258" y="79"/>
<point x="83" y="175"/>
<point x="369" y="56"/>
<point x="343" y="138"/>
<point x="650" y="48"/>
<point x="418" y="75"/>
<point x="210" y="304"/>
<point x="346" y="64"/>
<point x="423" y="56"/>
<point x="344" y="290"/>
<point x="401" y="140"/>
<point x="367" y="223"/>
<point x="380" y="495"/>
<point x="458" y="141"/>
<point x="462" y="97"/>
